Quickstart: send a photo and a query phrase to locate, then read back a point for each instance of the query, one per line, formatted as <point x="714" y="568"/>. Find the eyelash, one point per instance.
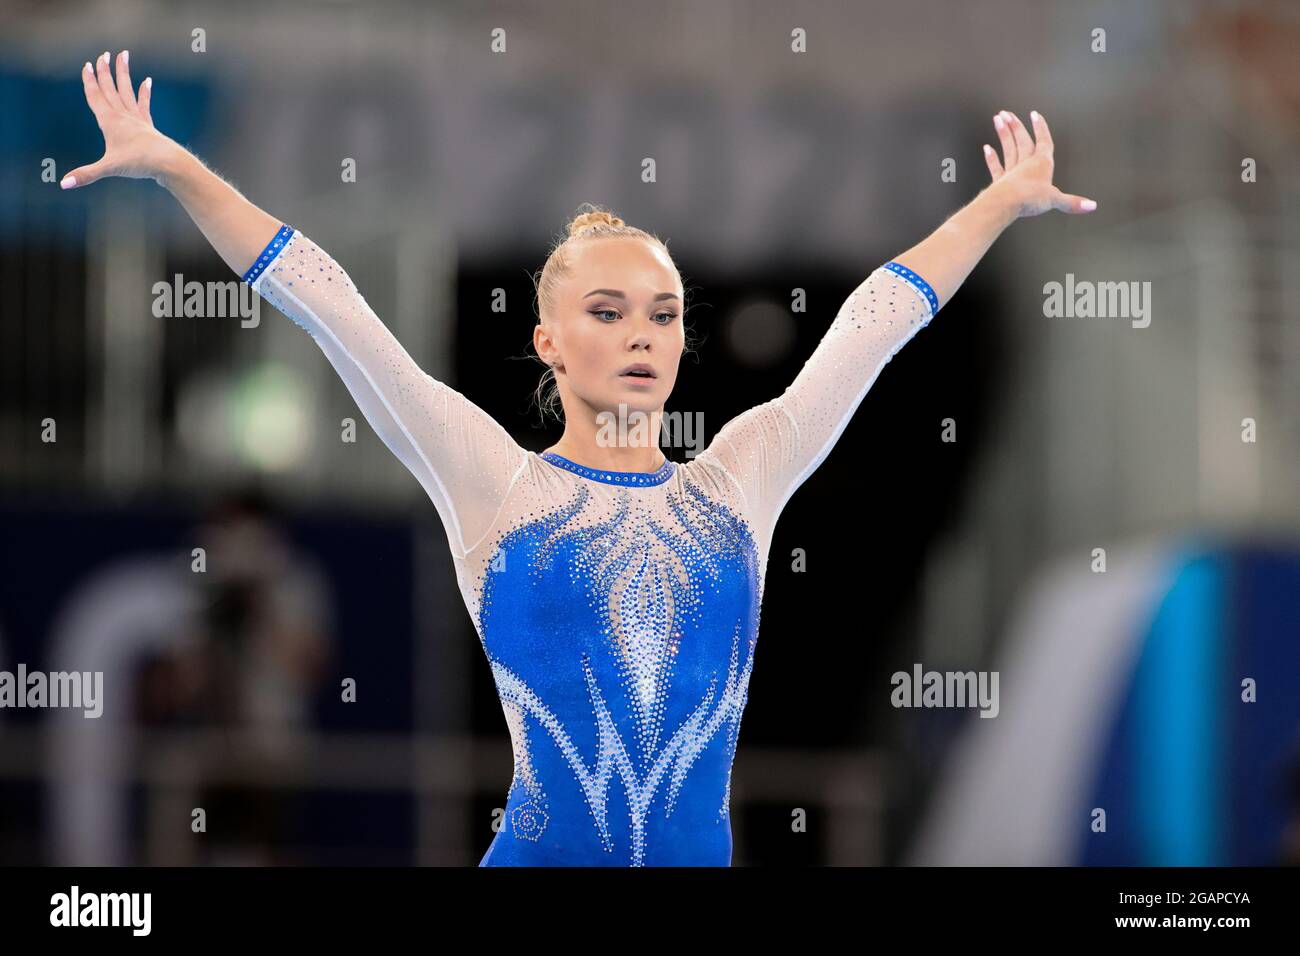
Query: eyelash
<point x="671" y="315"/>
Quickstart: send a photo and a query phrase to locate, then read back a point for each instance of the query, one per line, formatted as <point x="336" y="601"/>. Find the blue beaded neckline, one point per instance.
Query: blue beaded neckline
<point x="613" y="477"/>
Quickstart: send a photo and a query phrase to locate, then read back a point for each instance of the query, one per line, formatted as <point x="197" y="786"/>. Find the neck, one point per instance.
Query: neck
<point x="613" y="442"/>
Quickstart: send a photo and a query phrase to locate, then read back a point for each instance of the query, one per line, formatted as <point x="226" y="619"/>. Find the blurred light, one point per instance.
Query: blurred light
<point x="257" y="416"/>
<point x="270" y="417"/>
<point x="760" y="333"/>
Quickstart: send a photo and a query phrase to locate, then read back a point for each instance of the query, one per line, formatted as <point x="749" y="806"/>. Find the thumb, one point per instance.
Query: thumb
<point x="85" y="175"/>
<point x="1067" y="202"/>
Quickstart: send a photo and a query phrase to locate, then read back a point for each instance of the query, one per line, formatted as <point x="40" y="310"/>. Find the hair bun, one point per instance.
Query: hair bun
<point x="595" y="218"/>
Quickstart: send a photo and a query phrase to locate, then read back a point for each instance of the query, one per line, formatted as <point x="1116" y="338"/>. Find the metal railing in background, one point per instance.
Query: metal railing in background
<point x="1109" y="431"/>
<point x="848" y="786"/>
<point x="81" y="346"/>
<point x="43" y="349"/>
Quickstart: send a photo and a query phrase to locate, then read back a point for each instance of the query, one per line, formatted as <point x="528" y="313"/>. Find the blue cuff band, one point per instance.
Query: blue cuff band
<point x="273" y="249"/>
<point x="918" y="283"/>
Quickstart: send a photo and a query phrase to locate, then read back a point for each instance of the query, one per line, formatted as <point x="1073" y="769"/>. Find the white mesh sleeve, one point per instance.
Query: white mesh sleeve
<point x="463" y="458"/>
<point x="771" y="449"/>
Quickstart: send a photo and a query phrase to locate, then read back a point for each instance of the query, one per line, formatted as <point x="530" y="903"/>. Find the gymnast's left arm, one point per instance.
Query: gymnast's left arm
<point x="772" y="448"/>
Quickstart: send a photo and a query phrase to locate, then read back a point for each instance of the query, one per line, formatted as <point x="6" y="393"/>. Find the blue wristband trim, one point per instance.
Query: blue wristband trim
<point x="273" y="249"/>
<point x="918" y="283"/>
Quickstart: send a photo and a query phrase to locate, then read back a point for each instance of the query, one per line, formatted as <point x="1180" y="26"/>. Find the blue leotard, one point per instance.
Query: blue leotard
<point x="618" y="611"/>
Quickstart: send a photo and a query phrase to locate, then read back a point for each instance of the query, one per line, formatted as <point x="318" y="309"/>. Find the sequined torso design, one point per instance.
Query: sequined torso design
<point x="621" y="630"/>
<point x="618" y="611"/>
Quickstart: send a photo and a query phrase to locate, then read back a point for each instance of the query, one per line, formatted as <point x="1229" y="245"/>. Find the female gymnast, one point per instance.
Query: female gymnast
<point x="615" y="593"/>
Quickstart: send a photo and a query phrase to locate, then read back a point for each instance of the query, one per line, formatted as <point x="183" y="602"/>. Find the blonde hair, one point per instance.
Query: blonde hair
<point x="591" y="222"/>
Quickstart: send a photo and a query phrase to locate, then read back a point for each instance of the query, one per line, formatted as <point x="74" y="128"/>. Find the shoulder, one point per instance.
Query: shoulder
<point x="708" y="473"/>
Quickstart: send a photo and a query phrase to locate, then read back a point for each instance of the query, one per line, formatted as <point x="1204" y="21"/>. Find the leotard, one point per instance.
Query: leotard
<point x="619" y="611"/>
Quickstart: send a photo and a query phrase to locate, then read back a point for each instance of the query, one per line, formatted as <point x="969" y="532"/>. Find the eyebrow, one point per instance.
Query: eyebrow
<point x="614" y="293"/>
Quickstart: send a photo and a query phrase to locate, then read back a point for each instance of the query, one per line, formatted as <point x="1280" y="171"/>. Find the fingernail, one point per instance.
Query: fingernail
<point x="987" y="149"/>
<point x="105" y="56"/>
<point x="126" y="55"/>
<point x="998" y="121"/>
<point x="68" y="182"/>
<point x="1033" y="114"/>
<point x="89" y="68"/>
<point x="1088" y="205"/>
<point x="148" y="81"/>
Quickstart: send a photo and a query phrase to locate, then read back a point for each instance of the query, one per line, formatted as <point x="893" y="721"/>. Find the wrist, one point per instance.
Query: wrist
<point x="1002" y="198"/>
<point x="172" y="167"/>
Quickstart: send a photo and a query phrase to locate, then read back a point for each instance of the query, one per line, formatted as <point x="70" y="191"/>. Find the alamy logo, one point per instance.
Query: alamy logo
<point x="207" y="300"/>
<point x="632" y="428"/>
<point x="56" y="689"/>
<point x="946" y="689"/>
<point x="1101" y="300"/>
<point x="102" y="909"/>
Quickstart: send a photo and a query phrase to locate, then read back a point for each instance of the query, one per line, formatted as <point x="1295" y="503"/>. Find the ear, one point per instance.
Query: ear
<point x="543" y="344"/>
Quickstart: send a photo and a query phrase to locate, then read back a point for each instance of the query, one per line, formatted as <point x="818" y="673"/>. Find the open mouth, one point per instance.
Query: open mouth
<point x="638" y="371"/>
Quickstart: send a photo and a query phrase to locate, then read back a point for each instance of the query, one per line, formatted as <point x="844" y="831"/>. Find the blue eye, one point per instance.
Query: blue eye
<point x="669" y="315"/>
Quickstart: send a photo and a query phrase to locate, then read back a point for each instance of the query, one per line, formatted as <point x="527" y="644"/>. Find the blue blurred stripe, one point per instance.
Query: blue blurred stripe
<point x="1179" y="732"/>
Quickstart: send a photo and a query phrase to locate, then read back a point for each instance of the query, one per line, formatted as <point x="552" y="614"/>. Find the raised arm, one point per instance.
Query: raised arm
<point x="134" y="149"/>
<point x="463" y="458"/>
<point x="1020" y="189"/>
<point x="769" y="450"/>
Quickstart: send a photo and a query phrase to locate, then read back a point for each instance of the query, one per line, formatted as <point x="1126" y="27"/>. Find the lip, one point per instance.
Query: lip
<point x="639" y="367"/>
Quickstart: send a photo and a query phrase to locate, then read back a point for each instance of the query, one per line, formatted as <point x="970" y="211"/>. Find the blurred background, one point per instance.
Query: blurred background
<point x="128" y="438"/>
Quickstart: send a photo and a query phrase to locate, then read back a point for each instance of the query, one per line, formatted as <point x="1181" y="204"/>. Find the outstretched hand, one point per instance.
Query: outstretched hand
<point x="1026" y="167"/>
<point x="133" y="148"/>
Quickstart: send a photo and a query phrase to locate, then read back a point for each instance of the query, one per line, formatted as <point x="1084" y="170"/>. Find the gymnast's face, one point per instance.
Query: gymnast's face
<point x="621" y="304"/>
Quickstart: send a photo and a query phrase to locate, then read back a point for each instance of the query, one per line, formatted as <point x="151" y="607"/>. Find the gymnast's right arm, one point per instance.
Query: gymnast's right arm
<point x="463" y="458"/>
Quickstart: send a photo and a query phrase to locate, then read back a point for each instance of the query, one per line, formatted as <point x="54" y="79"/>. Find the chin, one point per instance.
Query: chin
<point x="643" y="402"/>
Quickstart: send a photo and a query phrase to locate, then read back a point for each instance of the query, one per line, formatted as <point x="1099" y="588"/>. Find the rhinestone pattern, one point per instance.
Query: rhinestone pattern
<point x="618" y="611"/>
<point x="918" y="283"/>
<point x="658" y="477"/>
<point x="282" y="236"/>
